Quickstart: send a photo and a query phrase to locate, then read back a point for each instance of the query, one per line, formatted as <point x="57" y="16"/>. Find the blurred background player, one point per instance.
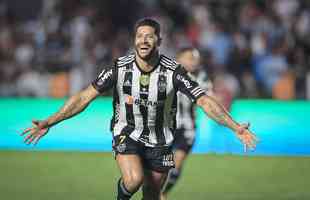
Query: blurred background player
<point x="189" y="58"/>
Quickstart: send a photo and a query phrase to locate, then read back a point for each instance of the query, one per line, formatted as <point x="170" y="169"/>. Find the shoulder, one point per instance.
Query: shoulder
<point x="169" y="63"/>
<point x="124" y="60"/>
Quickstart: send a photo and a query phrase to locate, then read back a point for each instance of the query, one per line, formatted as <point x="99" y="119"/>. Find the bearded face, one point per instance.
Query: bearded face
<point x="146" y="42"/>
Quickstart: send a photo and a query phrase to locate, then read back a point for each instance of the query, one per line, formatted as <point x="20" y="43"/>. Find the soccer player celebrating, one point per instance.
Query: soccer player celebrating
<point x="144" y="88"/>
<point x="184" y="139"/>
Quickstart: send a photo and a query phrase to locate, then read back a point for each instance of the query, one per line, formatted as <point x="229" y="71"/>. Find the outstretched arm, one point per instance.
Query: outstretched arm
<point x="218" y="113"/>
<point x="74" y="105"/>
<point x="212" y="108"/>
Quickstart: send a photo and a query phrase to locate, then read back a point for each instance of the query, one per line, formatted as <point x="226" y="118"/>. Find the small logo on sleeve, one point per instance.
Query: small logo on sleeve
<point x="187" y="84"/>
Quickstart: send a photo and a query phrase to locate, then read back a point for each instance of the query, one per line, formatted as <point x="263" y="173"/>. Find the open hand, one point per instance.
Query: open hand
<point x="247" y="137"/>
<point x="36" y="132"/>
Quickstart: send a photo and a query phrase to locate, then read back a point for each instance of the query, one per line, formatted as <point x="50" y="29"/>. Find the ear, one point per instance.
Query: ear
<point x="159" y="41"/>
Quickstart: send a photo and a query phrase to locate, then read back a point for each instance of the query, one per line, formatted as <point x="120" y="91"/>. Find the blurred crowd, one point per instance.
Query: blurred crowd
<point x="250" y="49"/>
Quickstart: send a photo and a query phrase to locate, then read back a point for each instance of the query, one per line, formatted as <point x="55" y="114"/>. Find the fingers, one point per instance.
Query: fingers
<point x="28" y="139"/>
<point x="36" y="140"/>
<point x="251" y="144"/>
<point x="249" y="141"/>
<point x="32" y="139"/>
<point x="253" y="138"/>
<point x="25" y="131"/>
<point x="34" y="135"/>
<point x="245" y="148"/>
<point x="35" y="122"/>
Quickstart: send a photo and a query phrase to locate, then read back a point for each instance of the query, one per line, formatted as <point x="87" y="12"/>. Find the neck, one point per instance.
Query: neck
<point x="147" y="65"/>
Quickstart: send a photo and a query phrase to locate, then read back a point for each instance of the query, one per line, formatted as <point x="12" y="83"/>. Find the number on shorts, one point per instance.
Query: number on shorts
<point x="122" y="138"/>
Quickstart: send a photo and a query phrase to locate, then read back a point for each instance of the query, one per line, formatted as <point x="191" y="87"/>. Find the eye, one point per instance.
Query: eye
<point x="138" y="36"/>
<point x="150" y="36"/>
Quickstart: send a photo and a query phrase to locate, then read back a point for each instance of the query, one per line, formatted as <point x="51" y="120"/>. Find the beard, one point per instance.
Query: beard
<point x="148" y="56"/>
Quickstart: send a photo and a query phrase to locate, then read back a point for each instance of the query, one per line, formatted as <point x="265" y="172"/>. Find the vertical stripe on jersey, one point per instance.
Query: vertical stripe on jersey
<point x="116" y="108"/>
<point x="192" y="114"/>
<point x="121" y="109"/>
<point x="168" y="109"/>
<point x="174" y="109"/>
<point x="185" y="112"/>
<point x="169" y="117"/>
<point x="161" y="97"/>
<point x="127" y="89"/>
<point x="180" y="105"/>
<point x="144" y="90"/>
<point x="153" y="90"/>
<point x="136" y="108"/>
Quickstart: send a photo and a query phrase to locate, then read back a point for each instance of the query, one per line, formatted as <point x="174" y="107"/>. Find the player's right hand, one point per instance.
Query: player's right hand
<point x="36" y="132"/>
<point x="248" y="138"/>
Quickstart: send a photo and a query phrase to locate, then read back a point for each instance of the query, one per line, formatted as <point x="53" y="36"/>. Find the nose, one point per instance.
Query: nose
<point x="145" y="39"/>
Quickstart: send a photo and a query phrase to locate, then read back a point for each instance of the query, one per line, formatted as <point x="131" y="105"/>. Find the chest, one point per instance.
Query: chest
<point x="151" y="88"/>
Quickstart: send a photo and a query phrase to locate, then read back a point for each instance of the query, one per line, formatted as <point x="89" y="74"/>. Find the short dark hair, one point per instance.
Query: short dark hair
<point x="148" y="22"/>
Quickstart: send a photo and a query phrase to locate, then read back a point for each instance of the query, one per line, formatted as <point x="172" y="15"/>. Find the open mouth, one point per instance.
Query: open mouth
<point x="144" y="48"/>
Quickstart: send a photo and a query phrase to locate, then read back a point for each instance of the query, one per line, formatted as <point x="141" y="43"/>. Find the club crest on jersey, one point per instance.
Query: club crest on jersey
<point x="144" y="80"/>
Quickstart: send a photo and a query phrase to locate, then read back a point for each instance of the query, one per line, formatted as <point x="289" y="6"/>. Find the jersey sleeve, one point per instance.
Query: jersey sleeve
<point x="183" y="83"/>
<point x="106" y="79"/>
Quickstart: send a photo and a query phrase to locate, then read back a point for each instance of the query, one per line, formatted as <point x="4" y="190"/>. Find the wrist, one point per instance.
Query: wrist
<point x="236" y="127"/>
<point x="44" y="124"/>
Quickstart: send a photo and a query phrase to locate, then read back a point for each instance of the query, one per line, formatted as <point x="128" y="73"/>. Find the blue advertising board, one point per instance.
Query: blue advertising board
<point x="282" y="127"/>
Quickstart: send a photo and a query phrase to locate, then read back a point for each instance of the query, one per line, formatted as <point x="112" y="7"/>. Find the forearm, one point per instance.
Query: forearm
<point x="217" y="112"/>
<point x="74" y="105"/>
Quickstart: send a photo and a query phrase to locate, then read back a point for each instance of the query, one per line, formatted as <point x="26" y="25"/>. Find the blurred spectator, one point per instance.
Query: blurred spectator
<point x="271" y="67"/>
<point x="218" y="42"/>
<point x="226" y="88"/>
<point x="252" y="48"/>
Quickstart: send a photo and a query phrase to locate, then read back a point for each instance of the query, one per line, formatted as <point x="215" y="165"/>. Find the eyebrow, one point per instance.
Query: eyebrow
<point x="147" y="34"/>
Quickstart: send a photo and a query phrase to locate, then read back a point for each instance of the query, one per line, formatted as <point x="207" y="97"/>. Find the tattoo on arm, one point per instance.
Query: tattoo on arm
<point x="217" y="112"/>
<point x="74" y="105"/>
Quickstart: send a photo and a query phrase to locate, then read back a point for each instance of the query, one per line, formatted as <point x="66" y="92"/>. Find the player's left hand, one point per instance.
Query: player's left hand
<point x="248" y="138"/>
<point x="36" y="132"/>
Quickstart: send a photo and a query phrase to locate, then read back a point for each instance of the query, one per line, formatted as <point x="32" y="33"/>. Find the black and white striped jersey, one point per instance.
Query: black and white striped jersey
<point x="145" y="103"/>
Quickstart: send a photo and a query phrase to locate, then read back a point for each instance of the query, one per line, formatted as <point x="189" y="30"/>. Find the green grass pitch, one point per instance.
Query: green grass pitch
<point x="93" y="176"/>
